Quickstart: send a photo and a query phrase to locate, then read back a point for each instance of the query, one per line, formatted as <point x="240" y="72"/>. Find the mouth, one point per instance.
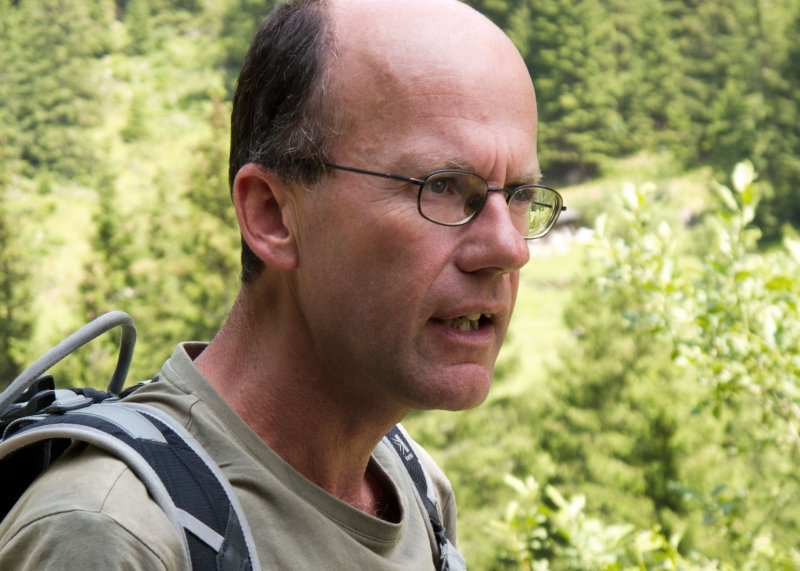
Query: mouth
<point x="471" y="322"/>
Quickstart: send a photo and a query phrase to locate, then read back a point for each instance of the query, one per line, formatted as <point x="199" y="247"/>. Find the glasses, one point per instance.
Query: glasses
<point x="453" y="197"/>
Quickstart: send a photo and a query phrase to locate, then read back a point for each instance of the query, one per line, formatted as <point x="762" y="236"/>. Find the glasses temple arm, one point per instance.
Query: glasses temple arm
<point x="563" y="208"/>
<point x="372" y="173"/>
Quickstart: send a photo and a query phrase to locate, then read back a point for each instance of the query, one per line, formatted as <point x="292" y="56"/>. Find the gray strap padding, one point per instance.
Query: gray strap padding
<point x="200" y="530"/>
<point x="130" y="421"/>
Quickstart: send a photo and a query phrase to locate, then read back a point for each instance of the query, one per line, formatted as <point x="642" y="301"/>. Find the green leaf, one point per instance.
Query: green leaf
<point x="726" y="195"/>
<point x="793" y="245"/>
<point x="743" y="176"/>
<point x="780" y="283"/>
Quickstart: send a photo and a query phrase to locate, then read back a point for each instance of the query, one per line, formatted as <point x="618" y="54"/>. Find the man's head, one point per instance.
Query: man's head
<point x="376" y="290"/>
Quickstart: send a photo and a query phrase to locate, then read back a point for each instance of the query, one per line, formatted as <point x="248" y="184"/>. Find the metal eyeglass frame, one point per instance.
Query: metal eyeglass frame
<point x="509" y="192"/>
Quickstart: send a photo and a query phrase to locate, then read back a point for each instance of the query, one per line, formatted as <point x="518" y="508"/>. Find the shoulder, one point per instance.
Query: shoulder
<point x="89" y="509"/>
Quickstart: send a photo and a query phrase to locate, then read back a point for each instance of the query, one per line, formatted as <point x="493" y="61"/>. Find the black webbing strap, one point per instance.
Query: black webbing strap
<point x="449" y="558"/>
<point x="191" y="493"/>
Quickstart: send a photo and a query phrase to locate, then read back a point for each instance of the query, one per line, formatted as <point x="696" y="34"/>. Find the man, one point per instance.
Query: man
<point x="372" y="286"/>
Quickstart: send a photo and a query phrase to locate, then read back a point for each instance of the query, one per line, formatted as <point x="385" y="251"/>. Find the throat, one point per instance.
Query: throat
<point x="381" y="499"/>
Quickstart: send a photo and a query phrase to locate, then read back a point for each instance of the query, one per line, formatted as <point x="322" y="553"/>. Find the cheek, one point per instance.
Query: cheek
<point x="371" y="261"/>
<point x="380" y="277"/>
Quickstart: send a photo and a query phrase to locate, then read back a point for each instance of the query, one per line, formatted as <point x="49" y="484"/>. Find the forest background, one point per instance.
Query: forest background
<point x="645" y="408"/>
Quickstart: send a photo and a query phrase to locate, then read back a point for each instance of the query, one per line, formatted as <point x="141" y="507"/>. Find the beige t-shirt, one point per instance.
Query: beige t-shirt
<point x="89" y="511"/>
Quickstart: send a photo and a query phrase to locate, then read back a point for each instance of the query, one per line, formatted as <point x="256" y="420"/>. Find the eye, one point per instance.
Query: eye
<point x="438" y="185"/>
<point x="523" y="195"/>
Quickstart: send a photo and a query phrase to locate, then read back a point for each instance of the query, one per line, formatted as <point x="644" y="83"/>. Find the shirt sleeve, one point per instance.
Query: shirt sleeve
<point x="78" y="540"/>
<point x="89" y="511"/>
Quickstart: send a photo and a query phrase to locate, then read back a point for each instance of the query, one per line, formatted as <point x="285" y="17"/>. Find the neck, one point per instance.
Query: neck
<point x="271" y="379"/>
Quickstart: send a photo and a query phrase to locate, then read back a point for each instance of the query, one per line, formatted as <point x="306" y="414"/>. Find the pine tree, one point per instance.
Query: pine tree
<point x="9" y="53"/>
<point x="778" y="147"/>
<point x="569" y="53"/>
<point x="214" y="237"/>
<point x="239" y="24"/>
<point x="648" y="72"/>
<point x="109" y="283"/>
<point x="16" y="293"/>
<point x="138" y="24"/>
<point x="53" y="88"/>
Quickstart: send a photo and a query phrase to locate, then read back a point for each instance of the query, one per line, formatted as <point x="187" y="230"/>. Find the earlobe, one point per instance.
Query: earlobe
<point x="263" y="208"/>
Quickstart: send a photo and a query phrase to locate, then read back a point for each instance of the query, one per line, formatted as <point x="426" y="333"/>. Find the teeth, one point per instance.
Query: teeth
<point x="465" y="323"/>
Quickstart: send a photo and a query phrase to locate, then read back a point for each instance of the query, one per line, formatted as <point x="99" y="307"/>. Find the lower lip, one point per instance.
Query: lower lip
<point x="481" y="336"/>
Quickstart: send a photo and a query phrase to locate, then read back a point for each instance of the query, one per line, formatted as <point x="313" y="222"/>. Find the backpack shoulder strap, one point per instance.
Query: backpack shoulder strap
<point x="178" y="473"/>
<point x="449" y="557"/>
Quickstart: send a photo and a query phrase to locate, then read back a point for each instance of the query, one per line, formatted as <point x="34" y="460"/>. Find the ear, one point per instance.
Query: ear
<point x="263" y="208"/>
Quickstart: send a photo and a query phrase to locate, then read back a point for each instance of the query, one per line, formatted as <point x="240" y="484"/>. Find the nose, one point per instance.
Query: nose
<point x="491" y="240"/>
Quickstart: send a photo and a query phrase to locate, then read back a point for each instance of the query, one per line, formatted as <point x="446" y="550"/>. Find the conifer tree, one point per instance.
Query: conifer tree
<point x="778" y="147"/>
<point x="54" y="83"/>
<point x="570" y="58"/>
<point x="8" y="53"/>
<point x="16" y="295"/>
<point x="239" y="24"/>
<point x="215" y="242"/>
<point x="648" y="75"/>
<point x="139" y="26"/>
<point x="108" y="283"/>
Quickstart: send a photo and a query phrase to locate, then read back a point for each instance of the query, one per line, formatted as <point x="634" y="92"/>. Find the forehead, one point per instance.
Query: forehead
<point x="428" y="78"/>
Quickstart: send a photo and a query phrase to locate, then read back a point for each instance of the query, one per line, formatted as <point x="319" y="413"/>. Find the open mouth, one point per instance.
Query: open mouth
<point x="471" y="322"/>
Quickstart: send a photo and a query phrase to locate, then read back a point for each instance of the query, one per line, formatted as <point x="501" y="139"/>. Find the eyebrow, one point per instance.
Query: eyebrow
<point x="425" y="163"/>
<point x="533" y="178"/>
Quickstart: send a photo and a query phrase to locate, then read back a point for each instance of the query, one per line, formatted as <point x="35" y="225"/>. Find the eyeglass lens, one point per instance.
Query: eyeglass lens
<point x="453" y="197"/>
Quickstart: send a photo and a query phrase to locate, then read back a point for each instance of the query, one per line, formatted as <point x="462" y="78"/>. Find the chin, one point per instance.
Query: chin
<point x="460" y="390"/>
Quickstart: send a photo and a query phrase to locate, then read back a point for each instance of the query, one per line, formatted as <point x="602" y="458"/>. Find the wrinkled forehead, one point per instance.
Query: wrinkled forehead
<point x="394" y="57"/>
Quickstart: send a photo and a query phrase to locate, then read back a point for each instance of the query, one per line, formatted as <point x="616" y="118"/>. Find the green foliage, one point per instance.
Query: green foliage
<point x="688" y="397"/>
<point x="138" y="23"/>
<point x="16" y="291"/>
<point x="574" y="71"/>
<point x="736" y="92"/>
<point x="777" y="146"/>
<point x="239" y="24"/>
<point x="616" y="378"/>
<point x="542" y="530"/>
<point x="53" y="83"/>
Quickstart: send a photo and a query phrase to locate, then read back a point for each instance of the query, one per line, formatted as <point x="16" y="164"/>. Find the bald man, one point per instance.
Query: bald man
<point x="385" y="178"/>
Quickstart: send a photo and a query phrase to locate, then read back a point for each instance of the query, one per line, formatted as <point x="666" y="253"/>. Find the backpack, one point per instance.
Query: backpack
<point x="39" y="423"/>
